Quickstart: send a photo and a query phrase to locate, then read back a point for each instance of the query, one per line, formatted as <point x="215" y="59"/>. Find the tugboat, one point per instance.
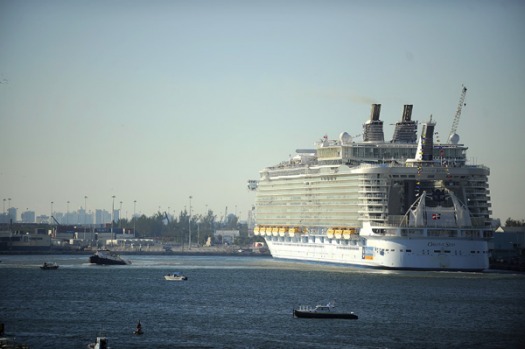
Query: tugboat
<point x="106" y="257"/>
<point x="322" y="312"/>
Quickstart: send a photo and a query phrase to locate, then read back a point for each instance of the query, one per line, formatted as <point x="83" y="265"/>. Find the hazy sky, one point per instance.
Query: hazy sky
<point x="155" y="101"/>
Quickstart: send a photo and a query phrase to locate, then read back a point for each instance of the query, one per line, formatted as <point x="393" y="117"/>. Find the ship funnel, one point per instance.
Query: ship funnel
<point x="425" y="147"/>
<point x="373" y="128"/>
<point x="406" y="129"/>
<point x="407" y="112"/>
<point x="374" y="112"/>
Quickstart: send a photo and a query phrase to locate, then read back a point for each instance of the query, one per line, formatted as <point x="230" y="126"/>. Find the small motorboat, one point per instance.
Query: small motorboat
<point x="176" y="276"/>
<point x="138" y="331"/>
<point x="322" y="312"/>
<point x="49" y="266"/>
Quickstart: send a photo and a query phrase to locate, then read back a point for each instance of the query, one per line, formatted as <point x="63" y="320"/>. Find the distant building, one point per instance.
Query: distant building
<point x="84" y="218"/>
<point x="28" y="217"/>
<point x="250" y="221"/>
<point x="24" y="241"/>
<point x="4" y="218"/>
<point x="12" y="214"/>
<point x="508" y="242"/>
<point x="102" y="217"/>
<point x="42" y="219"/>
<point x="228" y="236"/>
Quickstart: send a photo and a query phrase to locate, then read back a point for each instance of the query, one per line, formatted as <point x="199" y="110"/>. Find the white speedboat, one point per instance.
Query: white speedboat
<point x="176" y="276"/>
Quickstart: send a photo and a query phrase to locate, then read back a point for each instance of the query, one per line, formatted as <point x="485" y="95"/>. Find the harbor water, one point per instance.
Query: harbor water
<point x="247" y="302"/>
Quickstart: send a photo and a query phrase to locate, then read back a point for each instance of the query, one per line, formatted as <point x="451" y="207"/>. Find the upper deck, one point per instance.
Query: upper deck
<point x="374" y="149"/>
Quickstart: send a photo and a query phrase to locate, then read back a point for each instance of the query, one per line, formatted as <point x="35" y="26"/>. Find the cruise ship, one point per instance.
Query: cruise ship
<point x="407" y="203"/>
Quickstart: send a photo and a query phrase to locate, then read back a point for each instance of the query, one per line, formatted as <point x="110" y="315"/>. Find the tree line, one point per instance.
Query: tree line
<point x="166" y="228"/>
<point x="514" y="222"/>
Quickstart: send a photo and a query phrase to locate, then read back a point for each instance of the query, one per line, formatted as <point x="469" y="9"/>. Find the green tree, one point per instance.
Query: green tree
<point x="514" y="223"/>
<point x="231" y="222"/>
<point x="160" y="226"/>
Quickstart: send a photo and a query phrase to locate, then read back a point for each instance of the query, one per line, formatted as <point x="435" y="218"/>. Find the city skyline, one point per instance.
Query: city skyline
<point x="74" y="217"/>
<point x="121" y="208"/>
<point x="96" y="216"/>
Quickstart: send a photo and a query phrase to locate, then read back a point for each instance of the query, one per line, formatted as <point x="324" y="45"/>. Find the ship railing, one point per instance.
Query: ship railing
<point x="399" y="221"/>
<point x="476" y="166"/>
<point x="412" y="233"/>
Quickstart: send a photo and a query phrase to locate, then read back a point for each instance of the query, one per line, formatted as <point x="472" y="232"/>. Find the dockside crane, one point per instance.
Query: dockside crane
<point x="453" y="136"/>
<point x="55" y="220"/>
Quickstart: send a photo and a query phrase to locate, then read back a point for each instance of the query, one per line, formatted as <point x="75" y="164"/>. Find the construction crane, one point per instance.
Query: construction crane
<point x="453" y="137"/>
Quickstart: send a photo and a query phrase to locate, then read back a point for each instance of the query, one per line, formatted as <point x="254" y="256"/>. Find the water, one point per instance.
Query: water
<point x="243" y="302"/>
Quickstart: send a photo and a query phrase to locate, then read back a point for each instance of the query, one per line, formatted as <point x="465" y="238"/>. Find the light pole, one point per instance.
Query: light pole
<point x="51" y="215"/>
<point x="112" y="214"/>
<point x="119" y="213"/>
<point x="134" y="218"/>
<point x="189" y="227"/>
<point x="67" y="214"/>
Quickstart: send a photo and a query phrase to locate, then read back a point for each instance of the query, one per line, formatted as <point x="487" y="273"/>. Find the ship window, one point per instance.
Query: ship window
<point x="409" y="250"/>
<point x="400" y="250"/>
<point x="447" y="251"/>
<point x="472" y="251"/>
<point x="437" y="251"/>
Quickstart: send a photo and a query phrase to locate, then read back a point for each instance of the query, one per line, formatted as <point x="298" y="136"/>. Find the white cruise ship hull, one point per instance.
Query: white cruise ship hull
<point x="396" y="253"/>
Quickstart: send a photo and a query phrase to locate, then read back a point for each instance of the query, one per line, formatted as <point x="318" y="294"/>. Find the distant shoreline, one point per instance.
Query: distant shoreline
<point x="134" y="253"/>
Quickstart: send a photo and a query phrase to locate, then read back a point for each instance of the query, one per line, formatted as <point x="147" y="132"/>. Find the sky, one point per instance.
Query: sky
<point x="156" y="101"/>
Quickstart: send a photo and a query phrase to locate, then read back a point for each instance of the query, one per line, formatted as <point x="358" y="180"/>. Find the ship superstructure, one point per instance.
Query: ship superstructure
<point x="406" y="203"/>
